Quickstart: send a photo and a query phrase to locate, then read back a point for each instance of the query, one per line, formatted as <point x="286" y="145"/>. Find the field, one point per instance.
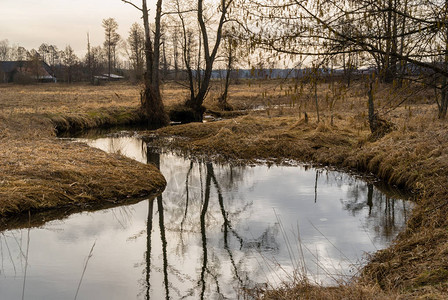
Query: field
<point x="279" y="123"/>
<point x="39" y="171"/>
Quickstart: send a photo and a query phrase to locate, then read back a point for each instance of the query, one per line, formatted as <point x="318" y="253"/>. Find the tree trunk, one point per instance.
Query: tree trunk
<point x="223" y="98"/>
<point x="151" y="99"/>
<point x="378" y="126"/>
<point x="402" y="41"/>
<point x="389" y="70"/>
<point x="444" y="101"/>
<point x="196" y="102"/>
<point x="372" y="115"/>
<point x="316" y="100"/>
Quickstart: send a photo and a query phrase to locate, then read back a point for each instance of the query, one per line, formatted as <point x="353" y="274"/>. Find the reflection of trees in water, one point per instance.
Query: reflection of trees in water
<point x="148" y="247"/>
<point x="211" y="267"/>
<point x="22" y="247"/>
<point x="8" y="251"/>
<point x="202" y="197"/>
<point x="154" y="158"/>
<point x="386" y="215"/>
<point x="164" y="244"/>
<point x="194" y="212"/>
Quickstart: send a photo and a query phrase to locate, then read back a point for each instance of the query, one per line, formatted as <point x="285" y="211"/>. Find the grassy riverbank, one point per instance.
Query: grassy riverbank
<point x="414" y="157"/>
<point x="39" y="171"/>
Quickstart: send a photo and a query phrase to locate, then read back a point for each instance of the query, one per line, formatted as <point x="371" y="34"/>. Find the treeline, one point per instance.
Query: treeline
<point x="116" y="56"/>
<point x="399" y="41"/>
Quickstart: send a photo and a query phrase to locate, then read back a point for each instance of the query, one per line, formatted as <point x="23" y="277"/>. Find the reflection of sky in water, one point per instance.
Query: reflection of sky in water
<point x="264" y="211"/>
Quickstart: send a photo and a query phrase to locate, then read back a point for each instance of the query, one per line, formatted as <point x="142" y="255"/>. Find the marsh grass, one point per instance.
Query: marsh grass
<point x="413" y="157"/>
<point x="85" y="268"/>
<point x="303" y="284"/>
<point x="37" y="171"/>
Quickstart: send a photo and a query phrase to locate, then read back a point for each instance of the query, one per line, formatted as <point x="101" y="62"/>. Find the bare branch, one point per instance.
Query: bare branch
<point x="132" y="4"/>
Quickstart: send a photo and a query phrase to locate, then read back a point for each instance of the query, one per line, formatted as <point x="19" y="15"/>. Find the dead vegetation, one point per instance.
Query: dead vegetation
<point x="304" y="290"/>
<point x="37" y="168"/>
<point x="413" y="156"/>
<point x="39" y="172"/>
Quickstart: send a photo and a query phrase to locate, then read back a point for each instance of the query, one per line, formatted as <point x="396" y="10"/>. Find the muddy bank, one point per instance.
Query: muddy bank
<point x="411" y="158"/>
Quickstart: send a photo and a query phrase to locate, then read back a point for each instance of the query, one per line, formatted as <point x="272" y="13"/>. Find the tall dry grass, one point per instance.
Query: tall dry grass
<point x="38" y="171"/>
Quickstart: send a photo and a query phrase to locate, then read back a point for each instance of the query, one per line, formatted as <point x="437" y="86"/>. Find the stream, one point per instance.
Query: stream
<point x="217" y="228"/>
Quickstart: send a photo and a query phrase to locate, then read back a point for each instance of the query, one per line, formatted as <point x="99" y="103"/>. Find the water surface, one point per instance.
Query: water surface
<point x="215" y="229"/>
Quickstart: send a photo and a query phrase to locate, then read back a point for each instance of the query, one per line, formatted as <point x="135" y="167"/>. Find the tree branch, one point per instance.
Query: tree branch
<point x="132" y="4"/>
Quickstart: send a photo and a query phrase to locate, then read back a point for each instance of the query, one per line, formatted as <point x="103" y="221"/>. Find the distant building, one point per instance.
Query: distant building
<point x="106" y="77"/>
<point x="15" y="71"/>
<point x="113" y="77"/>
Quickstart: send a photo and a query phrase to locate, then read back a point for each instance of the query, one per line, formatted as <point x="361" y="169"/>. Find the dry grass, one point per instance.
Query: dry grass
<point x="313" y="292"/>
<point x="413" y="157"/>
<point x="62" y="98"/>
<point x="39" y="172"/>
<point x="48" y="173"/>
<point x="35" y="167"/>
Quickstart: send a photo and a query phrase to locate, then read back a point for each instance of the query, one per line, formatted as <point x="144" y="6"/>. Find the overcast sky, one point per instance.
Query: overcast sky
<point x="30" y="23"/>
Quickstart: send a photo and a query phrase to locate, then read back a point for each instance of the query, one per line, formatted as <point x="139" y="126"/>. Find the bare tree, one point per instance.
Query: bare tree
<point x="111" y="41"/>
<point x="43" y="52"/>
<point x="4" y="50"/>
<point x="89" y="60"/>
<point x="151" y="98"/>
<point x="70" y="60"/>
<point x="230" y="51"/>
<point x="21" y="53"/>
<point x="98" y="60"/>
<point x="175" y="44"/>
<point x="399" y="37"/>
<point x="136" y="42"/>
<point x="207" y="50"/>
<point x="53" y="55"/>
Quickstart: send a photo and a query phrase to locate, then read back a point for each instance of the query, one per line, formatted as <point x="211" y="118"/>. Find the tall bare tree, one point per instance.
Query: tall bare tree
<point x="89" y="60"/>
<point x="175" y="43"/>
<point x="70" y="60"/>
<point x="136" y="42"/>
<point x="43" y="51"/>
<point x="230" y="52"/>
<point x="151" y="98"/>
<point x="209" y="44"/>
<point x="111" y="41"/>
<point x="4" y="50"/>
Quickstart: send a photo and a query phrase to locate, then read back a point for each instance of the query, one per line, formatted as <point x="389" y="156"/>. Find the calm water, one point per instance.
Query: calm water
<point x="215" y="229"/>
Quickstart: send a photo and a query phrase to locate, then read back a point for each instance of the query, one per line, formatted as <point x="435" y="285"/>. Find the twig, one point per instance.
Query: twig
<point x="132" y="4"/>
<point x="26" y="257"/>
<point x="10" y="255"/>
<point x="85" y="267"/>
